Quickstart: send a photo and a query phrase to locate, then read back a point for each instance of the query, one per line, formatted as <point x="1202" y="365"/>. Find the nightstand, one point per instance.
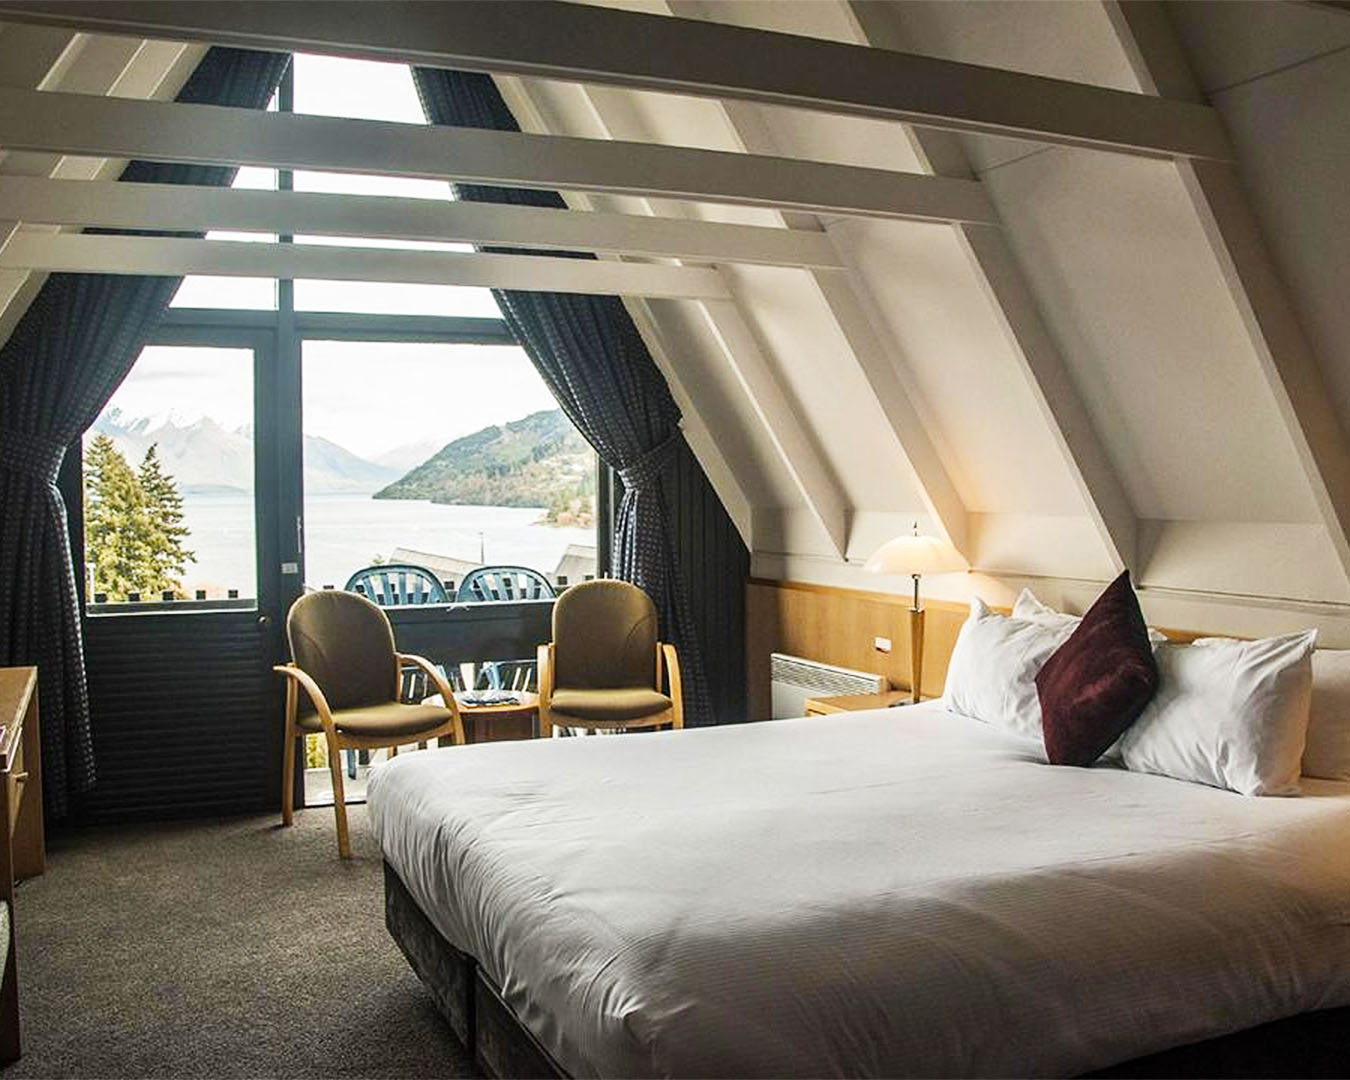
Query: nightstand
<point x="824" y="706"/>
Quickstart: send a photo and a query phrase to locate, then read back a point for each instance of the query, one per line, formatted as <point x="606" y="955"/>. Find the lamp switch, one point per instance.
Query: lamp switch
<point x="882" y="644"/>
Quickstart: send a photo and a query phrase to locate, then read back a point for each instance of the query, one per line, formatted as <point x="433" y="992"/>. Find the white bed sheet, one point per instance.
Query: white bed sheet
<point x="892" y="893"/>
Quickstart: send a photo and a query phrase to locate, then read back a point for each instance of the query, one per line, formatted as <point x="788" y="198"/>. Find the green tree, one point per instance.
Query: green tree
<point x="164" y="528"/>
<point x="114" y="520"/>
<point x="134" y="531"/>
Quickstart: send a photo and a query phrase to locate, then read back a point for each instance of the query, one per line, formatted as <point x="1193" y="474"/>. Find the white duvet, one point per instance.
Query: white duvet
<point x="901" y="892"/>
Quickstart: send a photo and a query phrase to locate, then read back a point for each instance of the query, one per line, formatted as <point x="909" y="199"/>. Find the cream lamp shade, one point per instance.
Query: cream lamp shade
<point x="915" y="555"/>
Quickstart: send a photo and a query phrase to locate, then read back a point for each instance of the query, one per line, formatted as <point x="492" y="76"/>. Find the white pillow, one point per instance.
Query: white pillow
<point x="1029" y="606"/>
<point x="992" y="672"/>
<point x="1231" y="714"/>
<point x="1327" y="754"/>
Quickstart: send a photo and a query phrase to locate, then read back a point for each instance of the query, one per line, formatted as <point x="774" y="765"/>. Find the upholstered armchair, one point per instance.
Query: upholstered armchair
<point x="343" y="657"/>
<point x="605" y="667"/>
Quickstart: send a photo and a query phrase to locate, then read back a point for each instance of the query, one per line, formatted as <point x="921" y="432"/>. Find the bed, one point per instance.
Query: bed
<point x="890" y="893"/>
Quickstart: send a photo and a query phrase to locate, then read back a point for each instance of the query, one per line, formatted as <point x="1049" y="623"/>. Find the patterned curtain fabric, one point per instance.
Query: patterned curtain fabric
<point x="593" y="359"/>
<point x="73" y="346"/>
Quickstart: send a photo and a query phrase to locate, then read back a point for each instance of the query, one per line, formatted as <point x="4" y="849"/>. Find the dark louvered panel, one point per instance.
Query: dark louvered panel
<point x="186" y="715"/>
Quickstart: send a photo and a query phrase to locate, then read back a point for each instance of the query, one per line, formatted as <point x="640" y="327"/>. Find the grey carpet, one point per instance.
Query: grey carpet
<point x="223" y="949"/>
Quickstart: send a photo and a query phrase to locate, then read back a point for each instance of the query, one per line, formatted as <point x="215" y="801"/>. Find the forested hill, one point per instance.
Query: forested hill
<point x="539" y="460"/>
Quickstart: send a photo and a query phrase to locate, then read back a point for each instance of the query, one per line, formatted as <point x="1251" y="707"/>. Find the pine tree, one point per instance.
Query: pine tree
<point x="164" y="530"/>
<point x="114" y="521"/>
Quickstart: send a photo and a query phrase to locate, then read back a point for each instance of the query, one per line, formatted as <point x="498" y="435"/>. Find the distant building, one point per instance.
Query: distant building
<point x="577" y="562"/>
<point x="445" y="567"/>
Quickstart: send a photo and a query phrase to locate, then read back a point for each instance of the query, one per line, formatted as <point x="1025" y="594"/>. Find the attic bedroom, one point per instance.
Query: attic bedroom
<point x="674" y="538"/>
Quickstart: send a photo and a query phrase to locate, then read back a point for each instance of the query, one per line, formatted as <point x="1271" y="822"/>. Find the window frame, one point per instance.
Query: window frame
<point x="278" y="334"/>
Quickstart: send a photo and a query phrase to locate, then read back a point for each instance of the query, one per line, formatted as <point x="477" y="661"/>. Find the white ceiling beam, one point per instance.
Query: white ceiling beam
<point x="1014" y="305"/>
<point x="199" y="209"/>
<point x="84" y="64"/>
<point x="871" y="343"/>
<point x="707" y="447"/>
<point x="1285" y="355"/>
<point x="590" y="44"/>
<point x="748" y="362"/>
<point x="171" y="256"/>
<point x="214" y="135"/>
<point x="796" y="448"/>
<point x="875" y="353"/>
<point x="875" y="350"/>
<point x="697" y="434"/>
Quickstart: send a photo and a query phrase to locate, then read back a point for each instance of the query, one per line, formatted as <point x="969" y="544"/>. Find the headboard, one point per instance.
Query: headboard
<point x="838" y="626"/>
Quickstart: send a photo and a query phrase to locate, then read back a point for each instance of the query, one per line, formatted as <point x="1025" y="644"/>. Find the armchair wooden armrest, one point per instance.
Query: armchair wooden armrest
<point x="295" y="676"/>
<point x="443" y="688"/>
<point x="544" y="678"/>
<point x="672" y="664"/>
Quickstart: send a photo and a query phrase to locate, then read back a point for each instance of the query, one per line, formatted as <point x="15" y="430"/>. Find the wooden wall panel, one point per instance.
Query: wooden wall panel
<point x="838" y="626"/>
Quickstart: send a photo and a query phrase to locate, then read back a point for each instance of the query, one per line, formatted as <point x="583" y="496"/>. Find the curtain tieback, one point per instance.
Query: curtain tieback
<point x="642" y="474"/>
<point x="35" y="455"/>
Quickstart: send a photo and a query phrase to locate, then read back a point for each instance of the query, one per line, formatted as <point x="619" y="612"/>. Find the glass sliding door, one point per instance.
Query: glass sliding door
<point x="182" y="580"/>
<point x="424" y="462"/>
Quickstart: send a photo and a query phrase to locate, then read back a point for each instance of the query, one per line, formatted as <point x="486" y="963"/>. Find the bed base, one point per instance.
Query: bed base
<point x="1308" y="1045"/>
<point x="471" y="1003"/>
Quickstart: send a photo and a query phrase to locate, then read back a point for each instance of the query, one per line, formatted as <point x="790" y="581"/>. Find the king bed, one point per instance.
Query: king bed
<point x="899" y="892"/>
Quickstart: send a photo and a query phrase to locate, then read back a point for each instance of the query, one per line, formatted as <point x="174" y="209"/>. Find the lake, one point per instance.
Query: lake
<point x="345" y="532"/>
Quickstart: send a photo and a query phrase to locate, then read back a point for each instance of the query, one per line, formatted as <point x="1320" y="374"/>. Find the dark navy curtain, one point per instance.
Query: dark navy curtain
<point x="68" y="353"/>
<point x="593" y="359"/>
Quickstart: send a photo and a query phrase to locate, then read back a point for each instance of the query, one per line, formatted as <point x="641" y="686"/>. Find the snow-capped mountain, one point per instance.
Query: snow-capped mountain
<point x="203" y="457"/>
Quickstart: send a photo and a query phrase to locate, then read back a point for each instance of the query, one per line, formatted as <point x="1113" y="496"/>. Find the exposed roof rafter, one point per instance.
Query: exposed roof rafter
<point x="746" y="359"/>
<point x="582" y="43"/>
<point x="117" y="205"/>
<point x="1014" y="305"/>
<point x="539" y="273"/>
<point x="1286" y="358"/>
<point x="214" y="135"/>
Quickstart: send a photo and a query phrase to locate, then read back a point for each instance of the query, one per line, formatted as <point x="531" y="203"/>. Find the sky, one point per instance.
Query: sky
<point x="370" y="398"/>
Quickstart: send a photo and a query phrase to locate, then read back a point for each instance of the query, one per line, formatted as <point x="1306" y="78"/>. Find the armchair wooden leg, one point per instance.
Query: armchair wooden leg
<point x="339" y="798"/>
<point x="288" y="758"/>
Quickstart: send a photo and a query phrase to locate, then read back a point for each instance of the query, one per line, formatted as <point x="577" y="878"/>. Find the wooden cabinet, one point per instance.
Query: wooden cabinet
<point x="21" y="767"/>
<point x="21" y="841"/>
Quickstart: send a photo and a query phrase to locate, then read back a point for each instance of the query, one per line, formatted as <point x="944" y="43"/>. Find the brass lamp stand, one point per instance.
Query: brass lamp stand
<point x="915" y="555"/>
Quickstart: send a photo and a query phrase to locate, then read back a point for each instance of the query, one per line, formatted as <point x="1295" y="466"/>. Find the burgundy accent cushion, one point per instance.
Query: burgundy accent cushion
<point x="1096" y="684"/>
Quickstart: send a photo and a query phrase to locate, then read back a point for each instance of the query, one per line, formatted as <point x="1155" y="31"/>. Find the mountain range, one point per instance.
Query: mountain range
<point x="205" y="458"/>
<point x="538" y="460"/>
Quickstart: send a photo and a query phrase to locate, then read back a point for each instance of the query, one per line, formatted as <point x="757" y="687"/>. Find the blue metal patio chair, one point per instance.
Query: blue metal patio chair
<point x="398" y="585"/>
<point x="489" y="584"/>
<point x="512" y="675"/>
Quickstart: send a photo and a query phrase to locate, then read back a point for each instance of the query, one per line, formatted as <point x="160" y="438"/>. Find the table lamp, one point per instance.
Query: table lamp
<point x="915" y="555"/>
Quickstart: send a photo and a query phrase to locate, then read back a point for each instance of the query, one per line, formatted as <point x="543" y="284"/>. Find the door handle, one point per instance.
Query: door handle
<point x="264" y="621"/>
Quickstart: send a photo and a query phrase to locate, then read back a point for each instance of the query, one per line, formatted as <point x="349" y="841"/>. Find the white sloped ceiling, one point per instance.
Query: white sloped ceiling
<point x="832" y="408"/>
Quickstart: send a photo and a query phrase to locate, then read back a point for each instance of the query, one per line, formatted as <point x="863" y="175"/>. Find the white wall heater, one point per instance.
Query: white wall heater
<point x="795" y="679"/>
